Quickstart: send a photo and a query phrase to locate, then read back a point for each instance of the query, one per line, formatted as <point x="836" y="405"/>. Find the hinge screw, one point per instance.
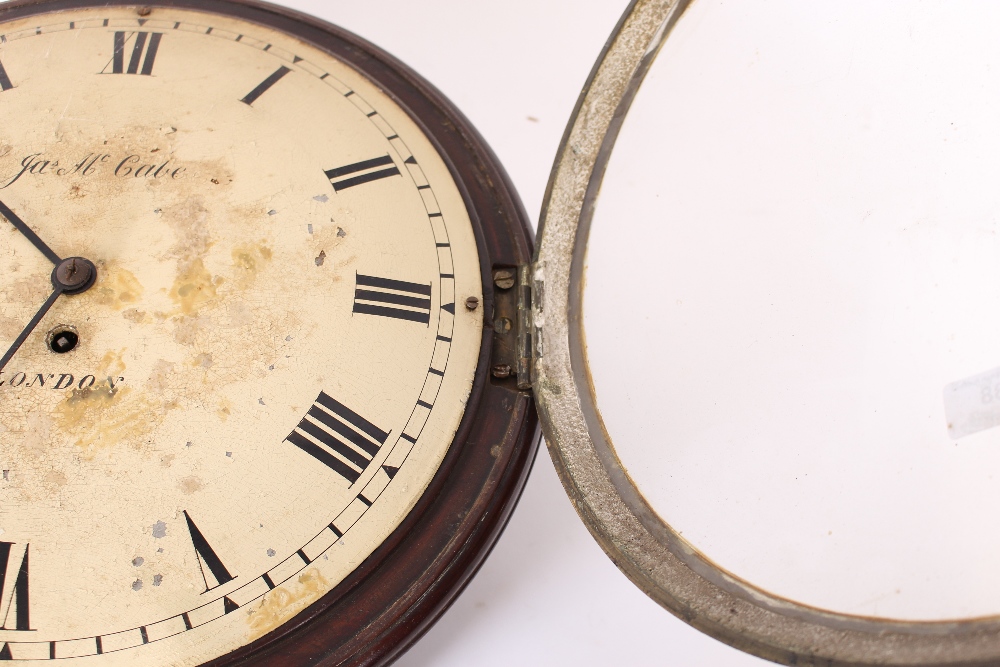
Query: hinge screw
<point x="501" y="371"/>
<point x="472" y="303"/>
<point x="503" y="278"/>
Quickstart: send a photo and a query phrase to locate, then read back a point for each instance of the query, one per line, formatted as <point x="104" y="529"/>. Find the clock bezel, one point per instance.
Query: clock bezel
<point x="655" y="557"/>
<point x="398" y="592"/>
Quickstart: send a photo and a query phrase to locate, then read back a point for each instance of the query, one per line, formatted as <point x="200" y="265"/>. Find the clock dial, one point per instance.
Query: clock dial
<point x="269" y="367"/>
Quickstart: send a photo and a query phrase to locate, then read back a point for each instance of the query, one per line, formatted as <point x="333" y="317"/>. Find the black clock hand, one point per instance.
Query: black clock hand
<point x="32" y="236"/>
<point x="31" y="326"/>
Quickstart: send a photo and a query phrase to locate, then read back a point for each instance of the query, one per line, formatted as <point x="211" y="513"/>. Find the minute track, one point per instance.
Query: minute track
<point x="294" y="565"/>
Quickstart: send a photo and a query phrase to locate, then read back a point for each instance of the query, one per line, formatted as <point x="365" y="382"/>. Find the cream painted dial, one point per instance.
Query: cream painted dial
<point x="270" y="366"/>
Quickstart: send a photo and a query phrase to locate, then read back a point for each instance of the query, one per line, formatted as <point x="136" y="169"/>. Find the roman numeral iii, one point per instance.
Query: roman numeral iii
<point x="140" y="49"/>
<point x="338" y="437"/>
<point x="358" y="173"/>
<point x="14" y="608"/>
<point x="397" y="299"/>
<point x="209" y="562"/>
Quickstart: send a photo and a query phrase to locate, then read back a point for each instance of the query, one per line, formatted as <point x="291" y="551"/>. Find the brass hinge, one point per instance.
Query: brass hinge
<point x="536" y="317"/>
<point x="514" y="342"/>
<point x="525" y="330"/>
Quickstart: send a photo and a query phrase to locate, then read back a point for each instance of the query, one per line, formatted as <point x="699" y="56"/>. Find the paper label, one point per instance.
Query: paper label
<point x="973" y="404"/>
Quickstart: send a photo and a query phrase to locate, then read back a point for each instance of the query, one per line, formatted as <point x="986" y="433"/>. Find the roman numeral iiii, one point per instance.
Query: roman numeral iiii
<point x="338" y="437"/>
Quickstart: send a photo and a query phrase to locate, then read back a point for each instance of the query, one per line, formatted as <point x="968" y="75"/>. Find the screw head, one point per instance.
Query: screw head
<point x="501" y="371"/>
<point x="74" y="275"/>
<point x="145" y="11"/>
<point x="472" y="303"/>
<point x="73" y="272"/>
<point x="503" y="278"/>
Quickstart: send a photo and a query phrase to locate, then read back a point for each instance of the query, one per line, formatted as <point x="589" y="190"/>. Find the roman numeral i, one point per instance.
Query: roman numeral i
<point x="326" y="430"/>
<point x="265" y="85"/>
<point x="144" y="47"/>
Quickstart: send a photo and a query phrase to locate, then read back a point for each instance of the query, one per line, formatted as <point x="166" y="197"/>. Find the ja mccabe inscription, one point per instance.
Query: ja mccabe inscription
<point x="127" y="166"/>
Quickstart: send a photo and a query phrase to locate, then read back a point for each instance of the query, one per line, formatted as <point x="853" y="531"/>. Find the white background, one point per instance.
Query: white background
<point x="795" y="251"/>
<point x="547" y="595"/>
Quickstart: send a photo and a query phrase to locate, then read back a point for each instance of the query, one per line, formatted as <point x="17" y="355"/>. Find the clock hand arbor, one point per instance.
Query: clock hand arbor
<point x="70" y="276"/>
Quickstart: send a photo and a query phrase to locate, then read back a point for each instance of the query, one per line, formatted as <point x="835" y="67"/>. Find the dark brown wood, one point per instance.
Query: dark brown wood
<point x="388" y="602"/>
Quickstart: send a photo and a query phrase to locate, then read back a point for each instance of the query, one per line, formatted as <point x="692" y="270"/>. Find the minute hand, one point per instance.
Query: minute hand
<point x="28" y="232"/>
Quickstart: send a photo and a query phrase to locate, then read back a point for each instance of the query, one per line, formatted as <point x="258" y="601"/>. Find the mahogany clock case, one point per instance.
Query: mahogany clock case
<point x="398" y="592"/>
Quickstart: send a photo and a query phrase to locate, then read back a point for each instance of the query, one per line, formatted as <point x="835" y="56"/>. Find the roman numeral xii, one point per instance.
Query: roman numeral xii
<point x="138" y="49"/>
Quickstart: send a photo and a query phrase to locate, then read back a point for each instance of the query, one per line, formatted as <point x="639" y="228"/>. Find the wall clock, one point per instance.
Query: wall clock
<point x="264" y="403"/>
<point x="763" y="613"/>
